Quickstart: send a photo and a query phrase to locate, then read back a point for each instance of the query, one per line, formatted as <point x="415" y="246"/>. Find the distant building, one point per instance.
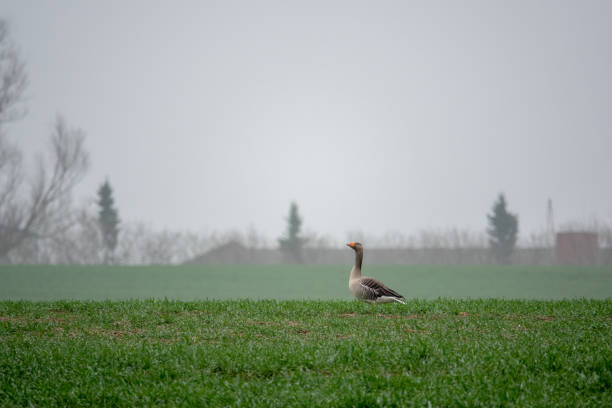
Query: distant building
<point x="577" y="248"/>
<point x="234" y="253"/>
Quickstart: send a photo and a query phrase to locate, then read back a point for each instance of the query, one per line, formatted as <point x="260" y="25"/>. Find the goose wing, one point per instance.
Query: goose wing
<point x="373" y="289"/>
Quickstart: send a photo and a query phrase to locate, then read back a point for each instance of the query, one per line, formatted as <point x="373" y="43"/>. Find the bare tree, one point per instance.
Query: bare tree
<point x="254" y="239"/>
<point x="13" y="78"/>
<point x="140" y="244"/>
<point x="219" y="238"/>
<point x="79" y="244"/>
<point x="358" y="235"/>
<point x="393" y="239"/>
<point x="40" y="207"/>
<point x="318" y="241"/>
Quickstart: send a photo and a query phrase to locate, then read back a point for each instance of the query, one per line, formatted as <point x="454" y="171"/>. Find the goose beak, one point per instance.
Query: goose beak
<point x="351" y="244"/>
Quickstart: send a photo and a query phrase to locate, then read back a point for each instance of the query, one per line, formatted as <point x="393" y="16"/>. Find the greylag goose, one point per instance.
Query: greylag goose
<point x="369" y="289"/>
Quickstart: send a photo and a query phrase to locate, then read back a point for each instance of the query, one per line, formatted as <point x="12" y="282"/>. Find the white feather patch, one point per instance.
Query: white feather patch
<point x="389" y="299"/>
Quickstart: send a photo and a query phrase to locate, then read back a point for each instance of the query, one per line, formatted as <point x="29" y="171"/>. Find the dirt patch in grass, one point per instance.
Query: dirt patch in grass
<point x="259" y="323"/>
<point x="392" y="316"/>
<point x="388" y="316"/>
<point x="415" y="331"/>
<point x="527" y="317"/>
<point x="74" y="333"/>
<point x="114" y="333"/>
<point x="194" y="311"/>
<point x="49" y="319"/>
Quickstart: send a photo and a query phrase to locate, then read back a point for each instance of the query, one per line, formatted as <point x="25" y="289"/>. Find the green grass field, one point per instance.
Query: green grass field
<point x="143" y="336"/>
<point x="306" y="353"/>
<point x="298" y="282"/>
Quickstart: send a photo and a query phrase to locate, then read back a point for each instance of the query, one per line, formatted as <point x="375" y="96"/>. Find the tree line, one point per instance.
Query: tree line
<point x="502" y="231"/>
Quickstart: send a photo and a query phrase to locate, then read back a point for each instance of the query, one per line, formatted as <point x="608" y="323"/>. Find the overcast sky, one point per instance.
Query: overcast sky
<point x="373" y="116"/>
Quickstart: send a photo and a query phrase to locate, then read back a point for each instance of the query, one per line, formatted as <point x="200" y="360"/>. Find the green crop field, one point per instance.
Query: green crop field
<point x="143" y="336"/>
<point x="271" y="353"/>
<point x="298" y="282"/>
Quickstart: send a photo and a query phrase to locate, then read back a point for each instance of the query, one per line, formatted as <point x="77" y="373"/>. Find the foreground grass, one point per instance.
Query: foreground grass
<point x="321" y="282"/>
<point x="306" y="353"/>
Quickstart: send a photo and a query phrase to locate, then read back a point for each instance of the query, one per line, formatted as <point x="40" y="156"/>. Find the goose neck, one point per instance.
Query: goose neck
<point x="356" y="271"/>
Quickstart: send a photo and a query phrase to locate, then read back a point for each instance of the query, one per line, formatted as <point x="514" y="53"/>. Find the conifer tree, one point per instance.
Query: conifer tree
<point x="503" y="230"/>
<point x="108" y="219"/>
<point x="291" y="243"/>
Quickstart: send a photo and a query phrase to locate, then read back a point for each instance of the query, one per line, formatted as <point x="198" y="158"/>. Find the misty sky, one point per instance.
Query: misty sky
<point x="373" y="116"/>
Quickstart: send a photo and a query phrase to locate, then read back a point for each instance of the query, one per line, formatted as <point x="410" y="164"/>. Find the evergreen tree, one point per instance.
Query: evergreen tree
<point x="503" y="230"/>
<point x="292" y="243"/>
<point x="108" y="219"/>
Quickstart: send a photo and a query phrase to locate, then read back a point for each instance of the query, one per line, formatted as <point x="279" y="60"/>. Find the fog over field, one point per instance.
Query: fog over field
<point x="373" y="116"/>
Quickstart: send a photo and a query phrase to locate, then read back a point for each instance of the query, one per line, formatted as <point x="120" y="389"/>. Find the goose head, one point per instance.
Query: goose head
<point x="355" y="245"/>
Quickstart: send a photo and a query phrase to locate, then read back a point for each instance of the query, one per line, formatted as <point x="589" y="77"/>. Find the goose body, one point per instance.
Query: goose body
<point x="369" y="289"/>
